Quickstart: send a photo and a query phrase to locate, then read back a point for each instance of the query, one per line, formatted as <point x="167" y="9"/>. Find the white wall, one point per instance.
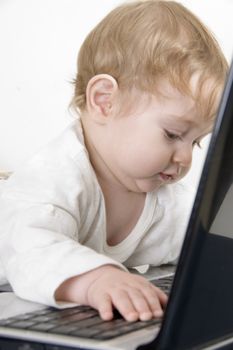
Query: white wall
<point x="39" y="45"/>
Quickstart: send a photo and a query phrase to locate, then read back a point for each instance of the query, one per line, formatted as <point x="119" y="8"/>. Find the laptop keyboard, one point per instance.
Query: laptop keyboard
<point x="80" y="321"/>
<point x="164" y="283"/>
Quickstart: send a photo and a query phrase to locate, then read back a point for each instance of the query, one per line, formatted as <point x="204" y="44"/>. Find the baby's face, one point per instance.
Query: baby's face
<point x="153" y="144"/>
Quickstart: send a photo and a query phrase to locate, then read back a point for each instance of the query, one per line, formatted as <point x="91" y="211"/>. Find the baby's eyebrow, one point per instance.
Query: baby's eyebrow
<point x="182" y="120"/>
<point x="176" y="121"/>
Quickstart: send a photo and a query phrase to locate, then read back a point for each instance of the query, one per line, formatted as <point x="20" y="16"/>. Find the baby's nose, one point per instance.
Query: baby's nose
<point x="183" y="156"/>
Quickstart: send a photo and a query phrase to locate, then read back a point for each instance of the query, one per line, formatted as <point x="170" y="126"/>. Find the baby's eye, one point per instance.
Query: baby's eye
<point x="171" y="136"/>
<point x="197" y="143"/>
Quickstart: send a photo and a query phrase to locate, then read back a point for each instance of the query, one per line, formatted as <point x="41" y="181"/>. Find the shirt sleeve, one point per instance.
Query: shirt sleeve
<point x="42" y="209"/>
<point x="39" y="252"/>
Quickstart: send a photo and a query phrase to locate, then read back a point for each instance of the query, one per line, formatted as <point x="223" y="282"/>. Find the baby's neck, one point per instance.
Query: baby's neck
<point x="103" y="172"/>
<point x="123" y="210"/>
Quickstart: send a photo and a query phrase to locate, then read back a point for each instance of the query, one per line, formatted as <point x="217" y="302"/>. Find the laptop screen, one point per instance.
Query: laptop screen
<point x="223" y="222"/>
<point x="221" y="218"/>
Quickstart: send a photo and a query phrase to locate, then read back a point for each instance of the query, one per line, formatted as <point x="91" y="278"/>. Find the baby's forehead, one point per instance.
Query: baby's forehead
<point x="192" y="119"/>
<point x="202" y="95"/>
<point x="175" y="101"/>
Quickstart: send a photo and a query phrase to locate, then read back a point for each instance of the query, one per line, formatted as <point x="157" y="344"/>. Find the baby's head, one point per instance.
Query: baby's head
<point x="148" y="85"/>
<point x="142" y="42"/>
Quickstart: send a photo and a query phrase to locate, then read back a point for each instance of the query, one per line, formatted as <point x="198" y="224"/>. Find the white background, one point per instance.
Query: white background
<point x="39" y="42"/>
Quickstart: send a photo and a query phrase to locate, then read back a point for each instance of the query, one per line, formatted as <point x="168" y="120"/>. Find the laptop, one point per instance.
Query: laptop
<point x="199" y="314"/>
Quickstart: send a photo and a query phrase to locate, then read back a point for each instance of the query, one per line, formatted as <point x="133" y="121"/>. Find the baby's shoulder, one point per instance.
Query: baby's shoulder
<point x="68" y="145"/>
<point x="61" y="163"/>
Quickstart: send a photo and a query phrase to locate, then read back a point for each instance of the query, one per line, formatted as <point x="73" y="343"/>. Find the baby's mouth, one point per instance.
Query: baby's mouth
<point x="166" y="177"/>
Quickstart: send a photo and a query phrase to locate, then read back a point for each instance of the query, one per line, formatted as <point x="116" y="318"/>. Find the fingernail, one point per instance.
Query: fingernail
<point x="146" y="316"/>
<point x="107" y="316"/>
<point x="131" y="317"/>
<point x="158" y="313"/>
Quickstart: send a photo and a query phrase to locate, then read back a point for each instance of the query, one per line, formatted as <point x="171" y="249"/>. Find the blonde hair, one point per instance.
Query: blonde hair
<point x="140" y="42"/>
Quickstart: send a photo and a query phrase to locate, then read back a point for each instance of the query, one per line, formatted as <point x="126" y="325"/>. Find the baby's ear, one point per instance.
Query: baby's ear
<point x="100" y="95"/>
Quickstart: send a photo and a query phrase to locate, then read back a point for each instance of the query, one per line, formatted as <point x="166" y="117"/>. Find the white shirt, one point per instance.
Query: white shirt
<point x="53" y="222"/>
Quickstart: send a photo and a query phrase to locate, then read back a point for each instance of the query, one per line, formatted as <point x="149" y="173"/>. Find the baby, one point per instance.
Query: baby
<point x="104" y="196"/>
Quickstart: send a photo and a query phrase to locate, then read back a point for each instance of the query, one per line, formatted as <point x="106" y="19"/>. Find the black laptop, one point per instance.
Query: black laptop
<point x="199" y="314"/>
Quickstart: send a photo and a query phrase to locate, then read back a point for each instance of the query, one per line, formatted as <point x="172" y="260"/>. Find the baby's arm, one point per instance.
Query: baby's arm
<point x="107" y="286"/>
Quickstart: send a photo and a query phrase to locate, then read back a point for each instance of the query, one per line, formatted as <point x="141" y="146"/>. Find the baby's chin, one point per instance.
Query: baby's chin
<point x="153" y="184"/>
<point x="149" y="185"/>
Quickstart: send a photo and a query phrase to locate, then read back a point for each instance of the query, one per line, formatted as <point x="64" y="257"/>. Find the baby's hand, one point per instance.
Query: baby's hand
<point x="108" y="287"/>
<point x="133" y="296"/>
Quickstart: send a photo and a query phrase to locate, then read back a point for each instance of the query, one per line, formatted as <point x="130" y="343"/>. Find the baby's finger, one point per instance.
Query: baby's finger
<point x="141" y="304"/>
<point x="163" y="298"/>
<point x="104" y="306"/>
<point x="123" y="303"/>
<point x="153" y="298"/>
